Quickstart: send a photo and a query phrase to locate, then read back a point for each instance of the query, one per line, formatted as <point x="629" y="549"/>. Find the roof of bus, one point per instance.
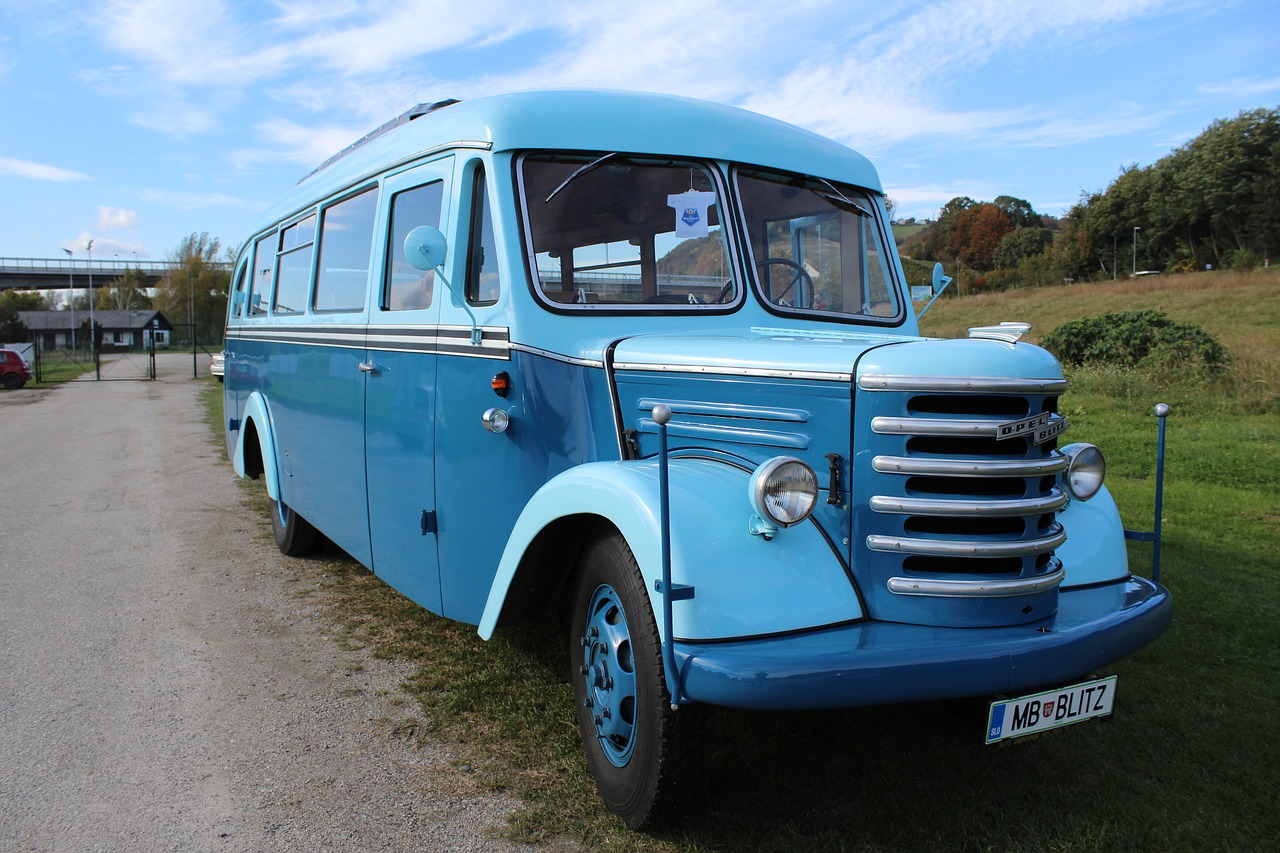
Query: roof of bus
<point x="592" y="120"/>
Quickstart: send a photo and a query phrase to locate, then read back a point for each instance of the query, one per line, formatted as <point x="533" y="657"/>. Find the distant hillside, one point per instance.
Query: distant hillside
<point x="1240" y="309"/>
<point x="903" y="232"/>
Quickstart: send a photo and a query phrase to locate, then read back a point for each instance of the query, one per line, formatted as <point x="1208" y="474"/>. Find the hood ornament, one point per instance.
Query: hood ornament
<point x="1007" y="332"/>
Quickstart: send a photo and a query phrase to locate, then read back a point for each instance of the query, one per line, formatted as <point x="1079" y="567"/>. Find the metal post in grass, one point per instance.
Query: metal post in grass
<point x="1162" y="412"/>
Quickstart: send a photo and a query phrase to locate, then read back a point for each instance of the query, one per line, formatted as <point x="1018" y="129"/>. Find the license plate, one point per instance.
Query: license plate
<point x="1052" y="709"/>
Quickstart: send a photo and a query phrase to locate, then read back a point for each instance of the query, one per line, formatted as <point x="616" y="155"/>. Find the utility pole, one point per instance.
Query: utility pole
<point x="93" y="332"/>
<point x="71" y="294"/>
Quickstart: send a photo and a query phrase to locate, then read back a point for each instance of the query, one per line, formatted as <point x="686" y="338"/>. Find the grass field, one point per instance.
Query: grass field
<point x="1191" y="760"/>
<point x="63" y="371"/>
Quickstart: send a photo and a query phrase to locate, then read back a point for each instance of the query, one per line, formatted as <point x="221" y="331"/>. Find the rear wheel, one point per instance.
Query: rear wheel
<point x="647" y="759"/>
<point x="12" y="381"/>
<point x="295" y="537"/>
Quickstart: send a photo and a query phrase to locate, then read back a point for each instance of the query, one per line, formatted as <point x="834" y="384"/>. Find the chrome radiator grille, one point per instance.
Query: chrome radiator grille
<point x="960" y="478"/>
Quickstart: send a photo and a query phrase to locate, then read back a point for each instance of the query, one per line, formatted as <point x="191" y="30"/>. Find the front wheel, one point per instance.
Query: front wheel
<point x="295" y="537"/>
<point x="647" y="758"/>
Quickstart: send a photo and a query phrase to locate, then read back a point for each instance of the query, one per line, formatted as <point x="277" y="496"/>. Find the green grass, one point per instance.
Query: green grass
<point x="1191" y="760"/>
<point x="53" y="372"/>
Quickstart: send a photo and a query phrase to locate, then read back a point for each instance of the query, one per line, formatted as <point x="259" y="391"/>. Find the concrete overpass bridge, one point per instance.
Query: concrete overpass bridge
<point x="73" y="273"/>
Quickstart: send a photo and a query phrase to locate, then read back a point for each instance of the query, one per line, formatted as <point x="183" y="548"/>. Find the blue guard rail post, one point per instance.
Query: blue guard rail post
<point x="1162" y="412"/>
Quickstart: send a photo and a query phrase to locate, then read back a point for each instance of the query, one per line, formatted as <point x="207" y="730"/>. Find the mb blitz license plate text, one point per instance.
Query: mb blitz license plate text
<point x="1053" y="709"/>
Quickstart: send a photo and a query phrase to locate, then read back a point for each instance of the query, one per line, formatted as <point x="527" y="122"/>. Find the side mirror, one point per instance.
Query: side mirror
<point x="425" y="247"/>
<point x="940" y="282"/>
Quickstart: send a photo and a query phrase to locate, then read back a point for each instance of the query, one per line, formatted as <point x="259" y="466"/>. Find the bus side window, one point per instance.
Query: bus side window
<point x="483" y="282"/>
<point x="264" y="268"/>
<point x="238" y="295"/>
<point x="346" y="239"/>
<point x="407" y="287"/>
<point x="294" y="276"/>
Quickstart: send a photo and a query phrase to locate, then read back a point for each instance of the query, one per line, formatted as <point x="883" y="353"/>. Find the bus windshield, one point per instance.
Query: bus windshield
<point x="619" y="231"/>
<point x="816" y="247"/>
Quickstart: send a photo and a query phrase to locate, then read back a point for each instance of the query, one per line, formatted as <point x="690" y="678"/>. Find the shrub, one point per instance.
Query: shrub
<point x="1243" y="259"/>
<point x="1136" y="339"/>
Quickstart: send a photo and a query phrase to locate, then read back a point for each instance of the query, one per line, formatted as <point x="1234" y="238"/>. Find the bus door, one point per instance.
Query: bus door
<point x="400" y="396"/>
<point x="484" y="477"/>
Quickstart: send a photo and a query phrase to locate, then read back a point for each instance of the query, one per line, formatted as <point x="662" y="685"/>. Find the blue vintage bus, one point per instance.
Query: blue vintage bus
<point x="648" y="365"/>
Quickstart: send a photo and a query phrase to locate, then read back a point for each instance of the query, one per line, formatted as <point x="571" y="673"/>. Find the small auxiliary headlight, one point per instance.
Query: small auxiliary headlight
<point x="1086" y="469"/>
<point x="495" y="420"/>
<point x="783" y="491"/>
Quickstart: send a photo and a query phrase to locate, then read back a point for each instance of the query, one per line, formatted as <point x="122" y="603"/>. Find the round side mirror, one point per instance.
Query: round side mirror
<point x="425" y="247"/>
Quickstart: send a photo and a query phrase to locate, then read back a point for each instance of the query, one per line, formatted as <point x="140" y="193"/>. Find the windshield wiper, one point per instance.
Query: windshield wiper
<point x="840" y="200"/>
<point x="581" y="171"/>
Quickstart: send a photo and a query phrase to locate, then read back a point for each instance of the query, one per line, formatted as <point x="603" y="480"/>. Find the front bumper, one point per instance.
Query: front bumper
<point x="877" y="663"/>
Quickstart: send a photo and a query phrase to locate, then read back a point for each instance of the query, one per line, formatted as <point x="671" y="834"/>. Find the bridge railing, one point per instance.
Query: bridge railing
<point x="106" y="267"/>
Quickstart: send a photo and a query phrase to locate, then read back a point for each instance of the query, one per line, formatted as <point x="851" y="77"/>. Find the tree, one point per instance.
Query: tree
<point x="129" y="292"/>
<point x="934" y="242"/>
<point x="1214" y="200"/>
<point x="1018" y="211"/>
<point x="978" y="232"/>
<point x="12" y="329"/>
<point x="196" y="290"/>
<point x="1019" y="244"/>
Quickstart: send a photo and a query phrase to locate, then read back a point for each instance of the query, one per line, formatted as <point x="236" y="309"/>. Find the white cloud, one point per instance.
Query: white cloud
<point x="890" y="85"/>
<point x="1245" y="86"/>
<point x="197" y="201"/>
<point x="116" y="219"/>
<point x="865" y="73"/>
<point x="38" y="171"/>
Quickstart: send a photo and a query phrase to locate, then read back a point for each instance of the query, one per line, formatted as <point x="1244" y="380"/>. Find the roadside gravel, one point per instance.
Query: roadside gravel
<point x="165" y="681"/>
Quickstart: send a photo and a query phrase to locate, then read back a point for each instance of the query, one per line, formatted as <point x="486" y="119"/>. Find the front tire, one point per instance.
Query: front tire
<point x="295" y="537"/>
<point x="648" y="760"/>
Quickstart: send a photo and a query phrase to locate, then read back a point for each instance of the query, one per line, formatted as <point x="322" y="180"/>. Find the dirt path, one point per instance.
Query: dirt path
<point x="163" y="683"/>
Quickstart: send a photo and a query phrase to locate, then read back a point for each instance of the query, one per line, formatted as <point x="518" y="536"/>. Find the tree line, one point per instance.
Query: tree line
<point x="1213" y="203"/>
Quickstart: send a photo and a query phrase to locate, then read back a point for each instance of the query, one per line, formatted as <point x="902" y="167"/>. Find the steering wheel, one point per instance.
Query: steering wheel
<point x="801" y="276"/>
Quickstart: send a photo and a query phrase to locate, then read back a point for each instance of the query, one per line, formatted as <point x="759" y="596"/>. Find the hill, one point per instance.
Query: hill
<point x="1240" y="309"/>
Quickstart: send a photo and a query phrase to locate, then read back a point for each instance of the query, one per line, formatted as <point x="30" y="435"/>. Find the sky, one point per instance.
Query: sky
<point x="135" y="123"/>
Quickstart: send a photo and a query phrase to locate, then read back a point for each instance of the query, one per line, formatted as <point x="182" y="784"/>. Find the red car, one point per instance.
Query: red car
<point x="14" y="371"/>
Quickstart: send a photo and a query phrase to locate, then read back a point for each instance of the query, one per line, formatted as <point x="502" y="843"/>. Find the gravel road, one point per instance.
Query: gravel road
<point x="163" y="686"/>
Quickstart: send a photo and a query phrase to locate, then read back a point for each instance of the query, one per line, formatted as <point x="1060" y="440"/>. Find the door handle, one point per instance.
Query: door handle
<point x="368" y="367"/>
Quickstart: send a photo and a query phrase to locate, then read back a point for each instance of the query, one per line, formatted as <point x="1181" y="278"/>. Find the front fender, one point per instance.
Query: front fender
<point x="744" y="585"/>
<point x="257" y="412"/>
<point x="1094" y="551"/>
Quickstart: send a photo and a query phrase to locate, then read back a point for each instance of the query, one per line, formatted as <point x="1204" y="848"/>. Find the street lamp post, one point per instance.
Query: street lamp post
<point x="1136" y="229"/>
<point x="93" y="332"/>
<point x="71" y="294"/>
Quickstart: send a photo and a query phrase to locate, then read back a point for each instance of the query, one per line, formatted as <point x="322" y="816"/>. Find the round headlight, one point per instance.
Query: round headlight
<point x="784" y="491"/>
<point x="1085" y="472"/>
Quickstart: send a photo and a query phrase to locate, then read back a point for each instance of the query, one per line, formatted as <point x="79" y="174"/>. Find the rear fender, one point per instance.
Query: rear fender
<point x="744" y="585"/>
<point x="256" y="412"/>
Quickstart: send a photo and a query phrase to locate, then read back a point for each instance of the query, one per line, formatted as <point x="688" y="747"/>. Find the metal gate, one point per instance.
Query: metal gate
<point x="126" y="364"/>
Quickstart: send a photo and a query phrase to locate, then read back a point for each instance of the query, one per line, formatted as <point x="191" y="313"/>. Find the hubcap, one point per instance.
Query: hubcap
<point x="608" y="670"/>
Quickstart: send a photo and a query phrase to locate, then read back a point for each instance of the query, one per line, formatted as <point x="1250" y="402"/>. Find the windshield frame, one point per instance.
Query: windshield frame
<point x="839" y="195"/>
<point x="727" y="230"/>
